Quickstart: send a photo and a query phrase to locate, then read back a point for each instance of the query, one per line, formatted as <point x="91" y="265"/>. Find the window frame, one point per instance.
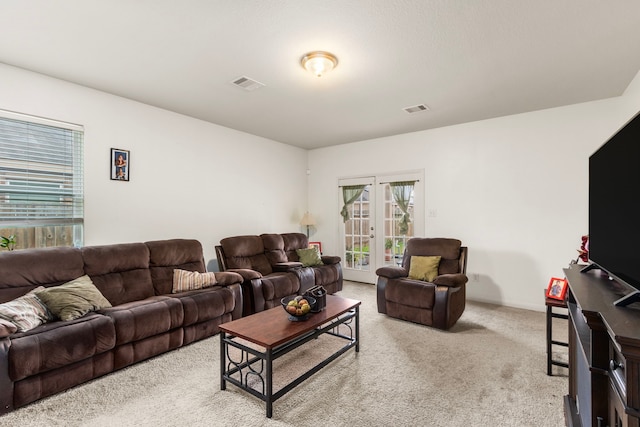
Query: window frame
<point x="41" y="180"/>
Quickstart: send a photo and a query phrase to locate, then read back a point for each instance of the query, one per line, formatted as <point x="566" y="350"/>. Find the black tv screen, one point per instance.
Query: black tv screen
<point x="614" y="208"/>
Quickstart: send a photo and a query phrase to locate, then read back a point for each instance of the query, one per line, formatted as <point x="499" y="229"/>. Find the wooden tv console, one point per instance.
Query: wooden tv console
<point x="604" y="353"/>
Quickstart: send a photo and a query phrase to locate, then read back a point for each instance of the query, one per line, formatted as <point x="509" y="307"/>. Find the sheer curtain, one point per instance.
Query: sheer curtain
<point x="350" y="193"/>
<point x="402" y="191"/>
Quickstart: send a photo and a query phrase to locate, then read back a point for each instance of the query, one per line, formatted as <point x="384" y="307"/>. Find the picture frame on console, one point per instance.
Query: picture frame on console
<point x="316" y="245"/>
<point x="119" y="164"/>
<point x="557" y="288"/>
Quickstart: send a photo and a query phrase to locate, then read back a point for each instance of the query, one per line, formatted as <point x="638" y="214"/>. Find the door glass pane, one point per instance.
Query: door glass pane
<point x="356" y="233"/>
<point x="394" y="241"/>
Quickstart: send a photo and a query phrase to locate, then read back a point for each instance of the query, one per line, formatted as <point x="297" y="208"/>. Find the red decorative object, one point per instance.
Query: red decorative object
<point x="557" y="288"/>
<point x="317" y="245"/>
<point x="583" y="252"/>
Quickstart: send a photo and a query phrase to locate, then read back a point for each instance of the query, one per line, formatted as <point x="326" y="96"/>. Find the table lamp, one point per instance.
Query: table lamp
<point x="307" y="220"/>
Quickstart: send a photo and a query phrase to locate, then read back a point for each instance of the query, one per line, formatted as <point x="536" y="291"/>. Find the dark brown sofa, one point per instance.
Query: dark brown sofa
<point x="146" y="318"/>
<point x="271" y="269"/>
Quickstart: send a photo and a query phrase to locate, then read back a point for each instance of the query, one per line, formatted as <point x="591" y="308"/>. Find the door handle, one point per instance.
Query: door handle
<point x="371" y="235"/>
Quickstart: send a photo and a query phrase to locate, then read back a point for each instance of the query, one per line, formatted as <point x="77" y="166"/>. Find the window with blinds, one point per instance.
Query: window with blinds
<point x="41" y="181"/>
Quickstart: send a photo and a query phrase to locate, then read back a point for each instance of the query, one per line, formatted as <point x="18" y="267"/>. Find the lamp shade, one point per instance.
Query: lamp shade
<point x="307" y="219"/>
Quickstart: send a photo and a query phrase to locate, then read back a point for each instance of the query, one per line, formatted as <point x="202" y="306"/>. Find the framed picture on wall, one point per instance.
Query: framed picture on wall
<point x="316" y="245"/>
<point x="120" y="160"/>
<point x="557" y="288"/>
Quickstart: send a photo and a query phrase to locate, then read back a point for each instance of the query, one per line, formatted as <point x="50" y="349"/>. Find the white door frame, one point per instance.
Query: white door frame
<point x="365" y="273"/>
<point x="377" y="218"/>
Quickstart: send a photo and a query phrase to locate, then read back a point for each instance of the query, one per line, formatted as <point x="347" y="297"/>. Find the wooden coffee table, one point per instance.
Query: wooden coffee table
<point x="276" y="335"/>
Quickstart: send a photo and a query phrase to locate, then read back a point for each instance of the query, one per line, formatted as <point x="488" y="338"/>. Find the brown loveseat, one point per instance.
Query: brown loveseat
<point x="271" y="268"/>
<point x="146" y="318"/>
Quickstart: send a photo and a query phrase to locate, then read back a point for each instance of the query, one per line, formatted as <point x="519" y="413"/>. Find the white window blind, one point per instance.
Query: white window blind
<point x="41" y="172"/>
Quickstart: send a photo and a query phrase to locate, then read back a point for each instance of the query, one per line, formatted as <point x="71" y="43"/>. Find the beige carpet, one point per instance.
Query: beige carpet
<point x="489" y="370"/>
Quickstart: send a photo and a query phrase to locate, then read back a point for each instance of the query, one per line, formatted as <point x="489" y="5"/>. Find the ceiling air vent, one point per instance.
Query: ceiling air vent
<point x="416" y="108"/>
<point x="247" y="84"/>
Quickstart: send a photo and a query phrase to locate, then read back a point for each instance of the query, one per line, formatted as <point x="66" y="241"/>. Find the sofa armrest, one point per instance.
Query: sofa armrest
<point x="286" y="266"/>
<point x="330" y="259"/>
<point x="6" y="385"/>
<point x="247" y="274"/>
<point x="226" y="278"/>
<point x="458" y="279"/>
<point x="392" y="272"/>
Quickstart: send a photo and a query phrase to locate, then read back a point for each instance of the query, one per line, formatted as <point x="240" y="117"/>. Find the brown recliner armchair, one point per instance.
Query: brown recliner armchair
<point x="439" y="302"/>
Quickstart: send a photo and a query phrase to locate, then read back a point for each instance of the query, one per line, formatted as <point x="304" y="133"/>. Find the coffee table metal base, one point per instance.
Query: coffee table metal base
<point x="240" y="372"/>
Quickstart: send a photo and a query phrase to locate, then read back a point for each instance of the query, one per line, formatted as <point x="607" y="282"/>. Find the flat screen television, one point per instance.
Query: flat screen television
<point x="614" y="209"/>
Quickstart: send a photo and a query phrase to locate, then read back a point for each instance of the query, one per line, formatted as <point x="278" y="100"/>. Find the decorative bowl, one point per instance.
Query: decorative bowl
<point x="302" y="312"/>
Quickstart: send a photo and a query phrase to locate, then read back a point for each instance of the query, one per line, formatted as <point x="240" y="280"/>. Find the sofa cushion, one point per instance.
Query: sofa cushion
<point x="424" y="268"/>
<point x="274" y="248"/>
<point x="73" y="299"/>
<point x="448" y="249"/>
<point x="328" y="276"/>
<point x="410" y="293"/>
<point x="57" y="344"/>
<point x="137" y="320"/>
<point x="54" y="381"/>
<point x="293" y="241"/>
<point x="167" y="255"/>
<point x="309" y="257"/>
<point x="246" y="252"/>
<point x="121" y="272"/>
<point x="26" y="312"/>
<point x="184" y="280"/>
<point x="27" y="269"/>
<point x="206" y="304"/>
<point x="278" y="285"/>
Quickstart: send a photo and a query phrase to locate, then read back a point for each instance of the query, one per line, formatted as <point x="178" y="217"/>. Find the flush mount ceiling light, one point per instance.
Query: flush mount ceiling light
<point x="319" y="62"/>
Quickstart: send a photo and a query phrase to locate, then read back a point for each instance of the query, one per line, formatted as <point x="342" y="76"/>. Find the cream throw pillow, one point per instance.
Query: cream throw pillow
<point x="184" y="280"/>
<point x="424" y="268"/>
<point x="7" y="328"/>
<point x="25" y="312"/>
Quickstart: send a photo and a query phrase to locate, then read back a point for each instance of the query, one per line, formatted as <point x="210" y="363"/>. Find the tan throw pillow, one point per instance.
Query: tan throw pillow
<point x="309" y="257"/>
<point x="424" y="268"/>
<point x="25" y="312"/>
<point x="74" y="299"/>
<point x="184" y="280"/>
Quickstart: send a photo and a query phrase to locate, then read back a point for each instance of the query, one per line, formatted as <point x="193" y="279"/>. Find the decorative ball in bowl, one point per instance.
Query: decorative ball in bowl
<point x="298" y="307"/>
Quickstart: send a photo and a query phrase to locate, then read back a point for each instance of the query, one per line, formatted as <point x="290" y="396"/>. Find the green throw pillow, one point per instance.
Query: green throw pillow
<point x="309" y="257"/>
<point x="73" y="299"/>
<point x="424" y="268"/>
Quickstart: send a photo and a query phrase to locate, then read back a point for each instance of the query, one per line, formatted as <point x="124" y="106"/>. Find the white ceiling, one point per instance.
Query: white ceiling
<point x="466" y="59"/>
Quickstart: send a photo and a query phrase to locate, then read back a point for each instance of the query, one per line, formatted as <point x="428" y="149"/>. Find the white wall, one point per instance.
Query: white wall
<point x="188" y="178"/>
<point x="513" y="189"/>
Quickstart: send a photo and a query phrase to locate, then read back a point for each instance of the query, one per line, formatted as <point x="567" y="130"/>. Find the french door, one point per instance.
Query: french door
<point x="378" y="227"/>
